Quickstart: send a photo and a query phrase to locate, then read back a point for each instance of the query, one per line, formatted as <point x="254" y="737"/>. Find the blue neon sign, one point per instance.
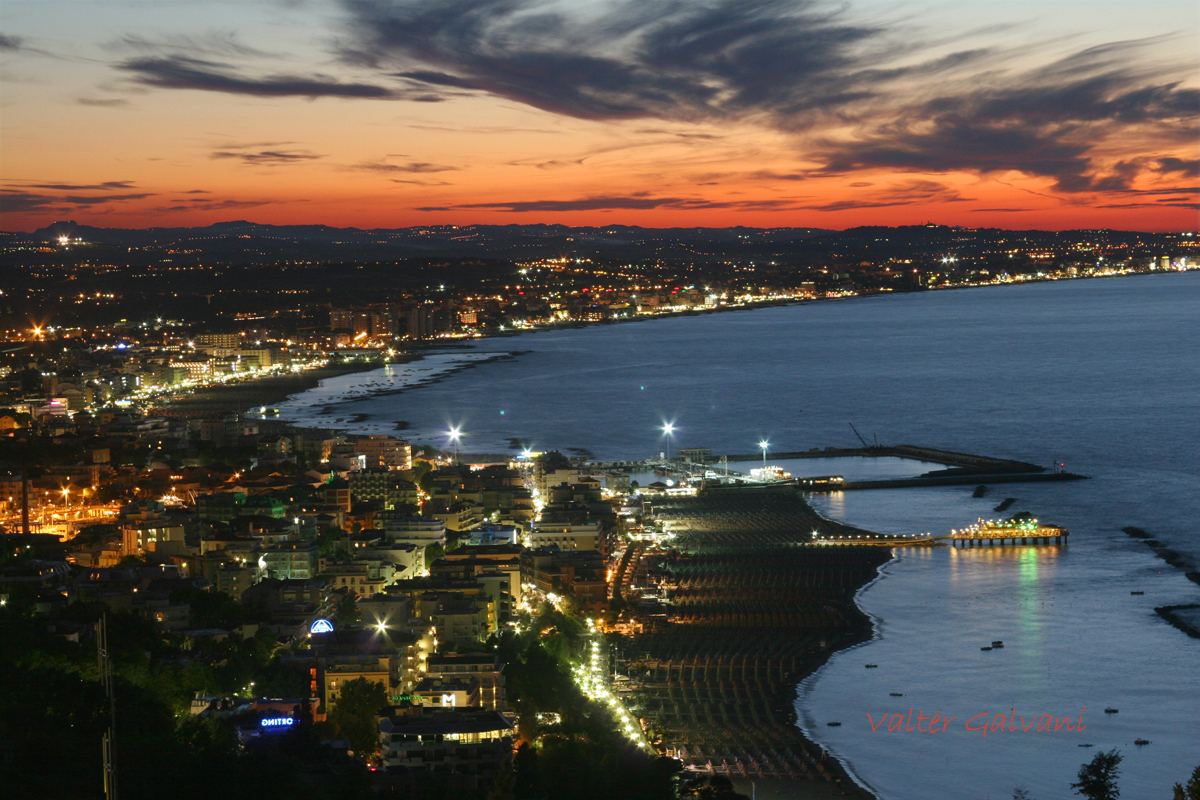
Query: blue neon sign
<point x="276" y="722"/>
<point x="321" y="626"/>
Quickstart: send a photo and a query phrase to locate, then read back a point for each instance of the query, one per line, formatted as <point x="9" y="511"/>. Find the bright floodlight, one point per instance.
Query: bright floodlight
<point x="668" y="428"/>
<point x="764" y="444"/>
<point x="455" y="434"/>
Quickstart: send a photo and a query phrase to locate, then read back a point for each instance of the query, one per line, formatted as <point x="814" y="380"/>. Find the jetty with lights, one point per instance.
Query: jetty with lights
<point x="1001" y="532"/>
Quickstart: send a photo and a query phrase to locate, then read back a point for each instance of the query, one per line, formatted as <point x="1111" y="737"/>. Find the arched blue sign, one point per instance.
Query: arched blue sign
<point x="276" y="722"/>
<point x="321" y="626"/>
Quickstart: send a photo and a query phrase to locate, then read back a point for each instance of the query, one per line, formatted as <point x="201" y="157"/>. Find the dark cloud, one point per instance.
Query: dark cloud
<point x="206" y="204"/>
<point x="634" y="202"/>
<point x="19" y="200"/>
<point x="180" y="72"/>
<point x="268" y="157"/>
<point x="910" y="192"/>
<point x="1190" y="206"/>
<point x="805" y="67"/>
<point x="771" y="175"/>
<point x="82" y="187"/>
<point x="583" y="204"/>
<point x="660" y="60"/>
<point x="1188" y="166"/>
<point x="412" y="167"/>
<point x="10" y="42"/>
<point x="1037" y="128"/>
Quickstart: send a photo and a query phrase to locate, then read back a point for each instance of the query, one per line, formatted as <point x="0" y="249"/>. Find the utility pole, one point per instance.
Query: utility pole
<point x="110" y="736"/>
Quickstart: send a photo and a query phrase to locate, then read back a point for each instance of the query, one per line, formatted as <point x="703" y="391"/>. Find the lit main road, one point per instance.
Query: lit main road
<point x="593" y="680"/>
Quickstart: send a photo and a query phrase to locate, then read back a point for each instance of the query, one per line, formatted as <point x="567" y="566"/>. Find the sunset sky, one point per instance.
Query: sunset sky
<point x="378" y="113"/>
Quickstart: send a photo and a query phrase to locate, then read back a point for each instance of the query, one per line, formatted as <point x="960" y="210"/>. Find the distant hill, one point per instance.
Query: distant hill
<point x="241" y="242"/>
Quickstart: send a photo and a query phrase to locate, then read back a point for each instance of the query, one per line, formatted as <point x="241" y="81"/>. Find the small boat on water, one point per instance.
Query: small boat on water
<point x="1140" y="742"/>
<point x="985" y="648"/>
<point x="1137" y="592"/>
<point x="1111" y="710"/>
<point x="871" y="666"/>
<point x="997" y="644"/>
<point x="834" y="724"/>
<point x="897" y="694"/>
<point x="1087" y="745"/>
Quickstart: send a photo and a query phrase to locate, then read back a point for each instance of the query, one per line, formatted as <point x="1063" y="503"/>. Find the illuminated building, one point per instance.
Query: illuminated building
<point x="385" y="451"/>
<point x="469" y="742"/>
<point x="486" y="668"/>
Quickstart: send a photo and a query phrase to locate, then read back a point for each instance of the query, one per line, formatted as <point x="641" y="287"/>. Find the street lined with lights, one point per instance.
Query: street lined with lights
<point x="593" y="679"/>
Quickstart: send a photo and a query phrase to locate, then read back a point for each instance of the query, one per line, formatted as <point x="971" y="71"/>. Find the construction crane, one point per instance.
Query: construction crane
<point x="859" y="435"/>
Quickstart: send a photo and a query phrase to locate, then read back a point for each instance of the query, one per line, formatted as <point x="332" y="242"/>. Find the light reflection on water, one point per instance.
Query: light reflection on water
<point x="1073" y="638"/>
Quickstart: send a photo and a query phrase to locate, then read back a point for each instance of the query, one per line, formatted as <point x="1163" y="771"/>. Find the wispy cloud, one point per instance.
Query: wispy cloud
<point x="20" y="200"/>
<point x="212" y="43"/>
<point x="206" y="204"/>
<point x="906" y="193"/>
<point x="615" y="203"/>
<point x="102" y="102"/>
<point x="412" y="167"/>
<point x="182" y="72"/>
<point x="106" y="186"/>
<point x="267" y="157"/>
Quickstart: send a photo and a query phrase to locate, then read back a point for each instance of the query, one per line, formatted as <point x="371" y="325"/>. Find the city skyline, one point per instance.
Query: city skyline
<point x="374" y="114"/>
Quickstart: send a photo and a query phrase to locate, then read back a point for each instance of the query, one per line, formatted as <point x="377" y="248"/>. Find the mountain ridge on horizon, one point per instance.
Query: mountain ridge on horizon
<point x="55" y="229"/>
<point x="245" y="242"/>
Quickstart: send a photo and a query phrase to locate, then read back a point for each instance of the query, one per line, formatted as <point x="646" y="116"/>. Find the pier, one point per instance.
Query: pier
<point x="997" y="534"/>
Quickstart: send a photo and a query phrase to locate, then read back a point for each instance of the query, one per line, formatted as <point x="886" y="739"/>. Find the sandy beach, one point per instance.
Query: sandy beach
<point x="240" y="396"/>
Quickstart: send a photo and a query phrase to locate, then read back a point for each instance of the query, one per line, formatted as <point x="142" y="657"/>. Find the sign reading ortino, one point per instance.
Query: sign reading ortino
<point x="276" y="722"/>
<point x="321" y="626"/>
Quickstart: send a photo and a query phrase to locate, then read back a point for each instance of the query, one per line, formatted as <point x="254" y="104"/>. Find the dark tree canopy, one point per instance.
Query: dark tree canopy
<point x="1098" y="778"/>
<point x="354" y="716"/>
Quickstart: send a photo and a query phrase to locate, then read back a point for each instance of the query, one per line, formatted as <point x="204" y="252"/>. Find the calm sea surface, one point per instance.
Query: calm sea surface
<point x="1103" y="375"/>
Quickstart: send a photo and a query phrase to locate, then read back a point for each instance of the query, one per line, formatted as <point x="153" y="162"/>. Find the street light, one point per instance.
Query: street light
<point x="455" y="434"/>
<point x="668" y="428"/>
<point x="764" y="444"/>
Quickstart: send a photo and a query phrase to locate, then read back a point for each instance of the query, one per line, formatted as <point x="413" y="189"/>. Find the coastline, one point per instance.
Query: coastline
<point x="808" y="681"/>
<point x="441" y="376"/>
<point x="238" y="397"/>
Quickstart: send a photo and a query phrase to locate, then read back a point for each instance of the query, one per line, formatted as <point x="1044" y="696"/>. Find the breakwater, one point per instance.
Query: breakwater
<point x="964" y="461"/>
<point x="964" y="479"/>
